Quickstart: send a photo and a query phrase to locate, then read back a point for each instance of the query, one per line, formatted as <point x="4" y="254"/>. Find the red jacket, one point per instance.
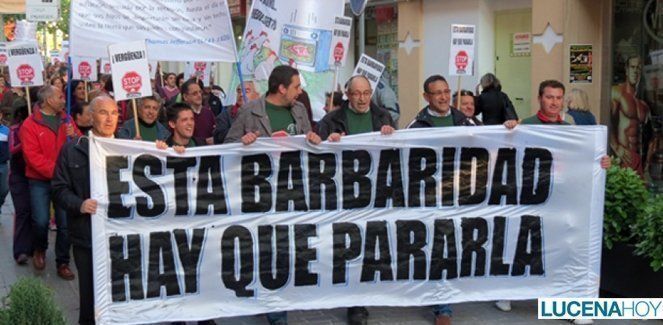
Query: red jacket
<point x="41" y="145"/>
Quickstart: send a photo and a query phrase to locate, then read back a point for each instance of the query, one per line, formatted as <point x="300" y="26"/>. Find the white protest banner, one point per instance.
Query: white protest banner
<point x="131" y="76"/>
<point x="461" y="50"/>
<point x="294" y="32"/>
<point x="84" y="68"/>
<point x="422" y="217"/>
<point x="340" y="42"/>
<point x="3" y="53"/>
<point x="42" y="10"/>
<point x="105" y="66"/>
<point x="25" y="65"/>
<point x="370" y="68"/>
<point x="172" y="30"/>
<point x="199" y="70"/>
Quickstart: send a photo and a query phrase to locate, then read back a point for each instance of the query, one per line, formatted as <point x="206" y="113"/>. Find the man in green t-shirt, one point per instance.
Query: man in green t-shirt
<point x="276" y="114"/>
<point x="357" y="115"/>
<point x="150" y="128"/>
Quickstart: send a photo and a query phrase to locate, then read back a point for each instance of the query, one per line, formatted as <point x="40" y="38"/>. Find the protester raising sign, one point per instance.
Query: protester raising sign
<point x="173" y="30"/>
<point x="414" y="219"/>
<point x="370" y="68"/>
<point x="84" y="68"/>
<point x="131" y="76"/>
<point x="25" y="65"/>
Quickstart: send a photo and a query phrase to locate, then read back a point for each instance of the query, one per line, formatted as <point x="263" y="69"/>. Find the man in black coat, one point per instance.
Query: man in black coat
<point x="71" y="190"/>
<point x="439" y="111"/>
<point x="357" y="115"/>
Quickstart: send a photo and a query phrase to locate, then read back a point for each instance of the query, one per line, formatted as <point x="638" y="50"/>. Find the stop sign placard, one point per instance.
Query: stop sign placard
<point x="338" y="52"/>
<point x="461" y="60"/>
<point x="132" y="82"/>
<point x="25" y="73"/>
<point x="85" y="69"/>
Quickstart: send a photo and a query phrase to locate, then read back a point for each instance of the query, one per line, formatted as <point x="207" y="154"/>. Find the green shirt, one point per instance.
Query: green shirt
<point x="359" y="122"/>
<point x="52" y="121"/>
<point x="535" y="120"/>
<point x="280" y="118"/>
<point x="442" y="120"/>
<point x="148" y="133"/>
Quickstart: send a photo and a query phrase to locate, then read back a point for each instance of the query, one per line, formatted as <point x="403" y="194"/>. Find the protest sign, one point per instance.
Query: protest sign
<point x="461" y="50"/>
<point x="25" y="65"/>
<point x="84" y="68"/>
<point x="54" y="56"/>
<point x="199" y="70"/>
<point x="152" y="67"/>
<point x="3" y="54"/>
<point x="131" y="77"/>
<point x="370" y="68"/>
<point x="422" y="217"/>
<point x="105" y="66"/>
<point x="172" y="30"/>
<point x="340" y="41"/>
<point x="42" y="10"/>
<point x="64" y="51"/>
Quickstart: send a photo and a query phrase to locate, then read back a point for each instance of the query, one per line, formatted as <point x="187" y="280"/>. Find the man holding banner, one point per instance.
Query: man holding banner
<point x="277" y="114"/>
<point x="71" y="192"/>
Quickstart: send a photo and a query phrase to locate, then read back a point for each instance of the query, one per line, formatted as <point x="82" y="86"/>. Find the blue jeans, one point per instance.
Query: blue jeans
<point x="40" y="202"/>
<point x="442" y="310"/>
<point x="4" y="183"/>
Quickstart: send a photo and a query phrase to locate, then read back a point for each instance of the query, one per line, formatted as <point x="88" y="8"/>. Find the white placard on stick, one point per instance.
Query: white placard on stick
<point x="25" y="65"/>
<point x="152" y="66"/>
<point x="340" y="41"/>
<point x="200" y="70"/>
<point x="131" y="74"/>
<point x="3" y="54"/>
<point x="370" y="68"/>
<point x="84" y="68"/>
<point x="461" y="50"/>
<point x="105" y="66"/>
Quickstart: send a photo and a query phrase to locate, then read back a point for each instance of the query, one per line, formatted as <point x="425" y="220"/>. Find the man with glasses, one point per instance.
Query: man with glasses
<point x="439" y="111"/>
<point x="356" y="115"/>
<point x="192" y="94"/>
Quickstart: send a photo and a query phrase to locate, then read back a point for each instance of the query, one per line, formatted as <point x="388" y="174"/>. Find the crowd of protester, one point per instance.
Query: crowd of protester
<point x="44" y="155"/>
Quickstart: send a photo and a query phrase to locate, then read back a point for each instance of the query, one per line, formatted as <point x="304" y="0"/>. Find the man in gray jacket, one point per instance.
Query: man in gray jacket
<point x="276" y="114"/>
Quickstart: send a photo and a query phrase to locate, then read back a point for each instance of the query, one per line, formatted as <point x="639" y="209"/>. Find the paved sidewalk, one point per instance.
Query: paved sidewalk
<point x="523" y="312"/>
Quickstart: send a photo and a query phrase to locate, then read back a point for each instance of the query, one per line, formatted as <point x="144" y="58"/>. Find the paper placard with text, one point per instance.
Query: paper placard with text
<point x="25" y="65"/>
<point x="84" y="68"/>
<point x="131" y="74"/>
<point x="370" y="68"/>
<point x="461" y="50"/>
<point x="340" y="41"/>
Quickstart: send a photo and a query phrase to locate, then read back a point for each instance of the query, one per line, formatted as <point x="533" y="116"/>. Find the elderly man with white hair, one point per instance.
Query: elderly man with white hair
<point x="71" y="190"/>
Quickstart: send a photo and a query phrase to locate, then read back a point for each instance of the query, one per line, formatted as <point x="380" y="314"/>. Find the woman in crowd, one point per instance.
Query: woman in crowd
<point x="577" y="103"/>
<point x="494" y="105"/>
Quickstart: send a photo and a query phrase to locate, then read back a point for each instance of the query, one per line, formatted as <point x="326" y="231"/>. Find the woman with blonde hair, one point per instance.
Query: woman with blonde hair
<point x="577" y="103"/>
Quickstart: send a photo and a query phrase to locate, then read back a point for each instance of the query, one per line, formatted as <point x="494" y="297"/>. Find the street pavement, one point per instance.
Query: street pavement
<point x="66" y="295"/>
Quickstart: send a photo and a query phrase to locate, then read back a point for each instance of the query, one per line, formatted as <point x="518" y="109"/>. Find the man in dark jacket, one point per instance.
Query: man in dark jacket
<point x="439" y="111"/>
<point x="71" y="190"/>
<point x="356" y="115"/>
